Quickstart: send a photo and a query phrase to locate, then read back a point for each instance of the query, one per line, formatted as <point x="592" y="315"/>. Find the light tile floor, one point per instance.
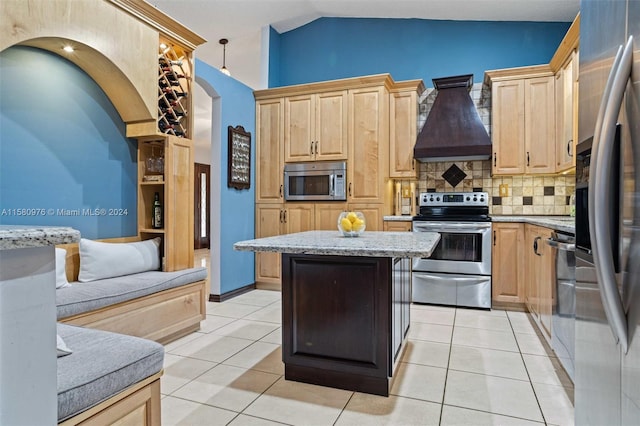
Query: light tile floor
<point x="460" y="367"/>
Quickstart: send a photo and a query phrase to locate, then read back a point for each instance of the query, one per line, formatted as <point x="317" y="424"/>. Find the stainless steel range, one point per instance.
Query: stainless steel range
<point x="458" y="273"/>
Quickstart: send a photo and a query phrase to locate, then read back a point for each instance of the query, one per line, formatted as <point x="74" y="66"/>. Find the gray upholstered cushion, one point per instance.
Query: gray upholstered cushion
<point x="85" y="297"/>
<point x="102" y="364"/>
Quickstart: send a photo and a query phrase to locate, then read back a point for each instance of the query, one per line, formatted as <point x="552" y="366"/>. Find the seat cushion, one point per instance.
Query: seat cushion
<point x="102" y="365"/>
<point x="79" y="297"/>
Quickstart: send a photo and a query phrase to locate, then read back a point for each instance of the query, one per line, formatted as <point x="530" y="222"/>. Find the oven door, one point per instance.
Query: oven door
<point x="464" y="248"/>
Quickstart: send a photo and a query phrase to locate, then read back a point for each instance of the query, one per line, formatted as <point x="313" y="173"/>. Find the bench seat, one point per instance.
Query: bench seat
<point x="102" y="364"/>
<point x="90" y="296"/>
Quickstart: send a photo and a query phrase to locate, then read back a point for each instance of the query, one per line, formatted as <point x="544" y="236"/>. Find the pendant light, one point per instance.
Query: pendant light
<point x="223" y="42"/>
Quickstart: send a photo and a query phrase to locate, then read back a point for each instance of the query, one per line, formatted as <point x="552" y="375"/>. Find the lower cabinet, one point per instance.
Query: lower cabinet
<point x="539" y="277"/>
<point x="345" y="319"/>
<point x="397" y="225"/>
<point x="507" y="263"/>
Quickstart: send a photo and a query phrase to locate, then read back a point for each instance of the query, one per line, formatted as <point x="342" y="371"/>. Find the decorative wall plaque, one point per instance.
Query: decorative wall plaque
<point x="239" y="164"/>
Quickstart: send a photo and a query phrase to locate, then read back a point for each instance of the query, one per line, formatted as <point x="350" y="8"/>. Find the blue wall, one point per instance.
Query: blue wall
<point x="237" y="207"/>
<point x="332" y="48"/>
<point x="62" y="147"/>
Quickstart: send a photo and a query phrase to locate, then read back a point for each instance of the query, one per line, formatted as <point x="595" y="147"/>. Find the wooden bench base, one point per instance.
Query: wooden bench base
<point x="137" y="405"/>
<point x="163" y="317"/>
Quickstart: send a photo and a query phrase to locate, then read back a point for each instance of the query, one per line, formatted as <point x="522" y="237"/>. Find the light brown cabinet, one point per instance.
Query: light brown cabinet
<point x="269" y="151"/>
<point x="523" y="123"/>
<point x="165" y="166"/>
<point x="315" y="127"/>
<point x="566" y="114"/>
<point x="507" y="263"/>
<point x="397" y="225"/>
<point x="403" y="122"/>
<point x="539" y="276"/>
<point x="368" y="168"/>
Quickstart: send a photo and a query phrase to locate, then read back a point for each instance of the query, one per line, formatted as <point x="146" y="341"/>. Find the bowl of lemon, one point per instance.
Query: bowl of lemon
<point x="351" y="224"/>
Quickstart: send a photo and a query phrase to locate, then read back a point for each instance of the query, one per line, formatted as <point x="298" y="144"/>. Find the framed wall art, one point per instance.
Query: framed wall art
<point x="239" y="164"/>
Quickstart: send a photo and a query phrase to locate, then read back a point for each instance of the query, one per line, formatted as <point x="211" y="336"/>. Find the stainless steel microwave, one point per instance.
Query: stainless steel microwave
<point x="318" y="181"/>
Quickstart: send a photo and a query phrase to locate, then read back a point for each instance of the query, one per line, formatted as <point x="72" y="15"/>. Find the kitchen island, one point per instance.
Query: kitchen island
<point x="345" y="304"/>
<point x="28" y="323"/>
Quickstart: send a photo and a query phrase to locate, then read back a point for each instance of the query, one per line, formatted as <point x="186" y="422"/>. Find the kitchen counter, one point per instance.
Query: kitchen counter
<point x="28" y="322"/>
<point x="369" y="244"/>
<point x="21" y="236"/>
<point x="558" y="223"/>
<point x="345" y="304"/>
<point x="403" y="218"/>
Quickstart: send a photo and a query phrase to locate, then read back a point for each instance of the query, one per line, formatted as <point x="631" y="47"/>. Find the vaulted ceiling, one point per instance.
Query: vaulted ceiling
<point x="241" y="21"/>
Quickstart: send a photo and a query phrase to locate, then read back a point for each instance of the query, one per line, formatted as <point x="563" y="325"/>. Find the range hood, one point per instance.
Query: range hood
<point x="454" y="130"/>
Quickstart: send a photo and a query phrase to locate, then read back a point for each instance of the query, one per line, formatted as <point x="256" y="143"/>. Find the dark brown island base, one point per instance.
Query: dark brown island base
<point x="345" y="304"/>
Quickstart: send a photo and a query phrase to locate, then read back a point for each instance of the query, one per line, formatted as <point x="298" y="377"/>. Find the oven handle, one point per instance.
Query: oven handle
<point x="451" y="227"/>
<point x="560" y="245"/>
<point x="450" y="277"/>
<point x="332" y="184"/>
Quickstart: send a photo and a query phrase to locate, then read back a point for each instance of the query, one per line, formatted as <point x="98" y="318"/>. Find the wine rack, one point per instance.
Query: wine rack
<point x="174" y="86"/>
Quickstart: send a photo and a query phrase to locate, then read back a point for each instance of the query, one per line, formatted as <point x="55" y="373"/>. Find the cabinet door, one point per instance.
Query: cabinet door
<point x="565" y="114"/>
<point x="269" y="222"/>
<point x="368" y="145"/>
<point x="373" y="214"/>
<point x="330" y="139"/>
<point x="326" y="218"/>
<point x="298" y="217"/>
<point x="403" y="113"/>
<point x="531" y="271"/>
<point x="539" y="117"/>
<point x="507" y="263"/>
<point x="397" y="225"/>
<point x="299" y="128"/>
<point x="507" y="109"/>
<point x="269" y="153"/>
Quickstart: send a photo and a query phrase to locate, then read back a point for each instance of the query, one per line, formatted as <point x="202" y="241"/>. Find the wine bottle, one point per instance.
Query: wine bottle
<point x="156" y="218"/>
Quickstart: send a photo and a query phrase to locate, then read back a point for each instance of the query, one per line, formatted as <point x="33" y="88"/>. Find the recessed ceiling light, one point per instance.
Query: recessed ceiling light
<point x="68" y="49"/>
<point x="163" y="46"/>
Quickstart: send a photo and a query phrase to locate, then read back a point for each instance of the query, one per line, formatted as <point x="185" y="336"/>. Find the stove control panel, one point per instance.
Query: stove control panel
<point x="454" y="199"/>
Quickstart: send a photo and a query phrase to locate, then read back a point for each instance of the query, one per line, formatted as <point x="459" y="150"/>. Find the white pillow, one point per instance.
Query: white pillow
<point x="62" y="347"/>
<point x="100" y="260"/>
<point x="61" y="268"/>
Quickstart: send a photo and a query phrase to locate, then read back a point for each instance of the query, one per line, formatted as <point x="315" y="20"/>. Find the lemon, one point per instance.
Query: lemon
<point x="345" y="223"/>
<point x="358" y="225"/>
<point x="352" y="217"/>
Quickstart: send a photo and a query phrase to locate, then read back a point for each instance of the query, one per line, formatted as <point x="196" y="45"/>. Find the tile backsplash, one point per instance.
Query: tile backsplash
<point x="522" y="195"/>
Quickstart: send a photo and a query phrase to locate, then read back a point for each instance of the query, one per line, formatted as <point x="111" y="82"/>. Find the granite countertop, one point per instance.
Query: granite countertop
<point x="403" y="218"/>
<point x="370" y="243"/>
<point x="559" y="223"/>
<point x="25" y="236"/>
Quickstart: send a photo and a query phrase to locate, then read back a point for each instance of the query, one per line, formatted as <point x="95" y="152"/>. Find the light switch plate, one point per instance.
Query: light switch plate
<point x="504" y="190"/>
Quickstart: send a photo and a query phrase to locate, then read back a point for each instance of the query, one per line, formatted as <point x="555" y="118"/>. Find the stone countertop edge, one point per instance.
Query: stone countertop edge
<point x="369" y="244"/>
<point x="559" y="223"/>
<point x="25" y="236"/>
<point x="403" y="218"/>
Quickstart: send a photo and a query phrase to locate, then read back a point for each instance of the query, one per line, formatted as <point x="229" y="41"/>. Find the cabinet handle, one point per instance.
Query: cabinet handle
<point x="316" y="147"/>
<point x="281" y="214"/>
<point x="495" y="159"/>
<point x="569" y="146"/>
<point x="494" y="238"/>
<point x="311" y="149"/>
<point x="535" y="245"/>
<point x="284" y="216"/>
<point x="280" y="191"/>
<point x="349" y="189"/>
<point x="527" y="158"/>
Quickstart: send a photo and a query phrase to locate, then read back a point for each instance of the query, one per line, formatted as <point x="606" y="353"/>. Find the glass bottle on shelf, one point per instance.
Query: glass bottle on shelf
<point x="156" y="218"/>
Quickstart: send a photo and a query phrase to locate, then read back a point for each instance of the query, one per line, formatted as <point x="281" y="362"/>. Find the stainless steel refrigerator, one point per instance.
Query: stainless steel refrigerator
<point x="607" y="358"/>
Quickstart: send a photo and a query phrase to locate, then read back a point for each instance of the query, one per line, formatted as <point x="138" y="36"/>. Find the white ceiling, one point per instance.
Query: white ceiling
<point x="241" y="21"/>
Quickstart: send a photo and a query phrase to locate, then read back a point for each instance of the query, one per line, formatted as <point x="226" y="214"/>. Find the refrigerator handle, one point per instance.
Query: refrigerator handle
<point x="600" y="198"/>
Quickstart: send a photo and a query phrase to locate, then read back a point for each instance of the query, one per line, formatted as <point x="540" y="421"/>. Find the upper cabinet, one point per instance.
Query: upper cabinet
<point x="523" y="121"/>
<point x="367" y="170"/>
<point x="269" y="152"/>
<point x="403" y="128"/>
<point x="315" y="127"/>
<point x="565" y="66"/>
